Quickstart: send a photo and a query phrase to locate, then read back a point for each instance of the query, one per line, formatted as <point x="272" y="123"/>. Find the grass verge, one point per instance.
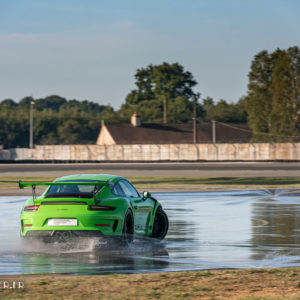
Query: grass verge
<point x="11" y="182"/>
<point x="214" y="182"/>
<point x="281" y="283"/>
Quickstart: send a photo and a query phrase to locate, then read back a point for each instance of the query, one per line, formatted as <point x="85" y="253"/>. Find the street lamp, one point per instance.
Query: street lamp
<point x="31" y="123"/>
<point x="195" y="99"/>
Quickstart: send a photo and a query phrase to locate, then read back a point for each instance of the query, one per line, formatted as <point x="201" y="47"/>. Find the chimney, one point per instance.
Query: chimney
<point x="135" y="120"/>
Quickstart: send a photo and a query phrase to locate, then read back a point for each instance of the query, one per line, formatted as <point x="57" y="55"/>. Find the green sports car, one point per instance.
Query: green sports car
<point x="91" y="206"/>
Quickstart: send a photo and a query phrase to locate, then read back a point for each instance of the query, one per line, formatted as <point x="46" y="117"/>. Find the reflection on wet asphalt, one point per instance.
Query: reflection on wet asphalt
<point x="208" y="230"/>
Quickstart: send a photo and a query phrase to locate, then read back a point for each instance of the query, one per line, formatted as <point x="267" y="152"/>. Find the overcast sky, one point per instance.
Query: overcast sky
<point x="91" y="49"/>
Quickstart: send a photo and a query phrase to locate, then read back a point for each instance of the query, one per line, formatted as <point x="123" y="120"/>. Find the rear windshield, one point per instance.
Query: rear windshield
<point x="73" y="191"/>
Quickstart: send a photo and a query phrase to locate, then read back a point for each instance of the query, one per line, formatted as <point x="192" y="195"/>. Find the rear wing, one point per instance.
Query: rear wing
<point x="34" y="184"/>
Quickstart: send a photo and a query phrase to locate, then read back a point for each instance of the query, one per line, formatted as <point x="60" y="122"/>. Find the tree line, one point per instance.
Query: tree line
<point x="271" y="106"/>
<point x="59" y="121"/>
<point x="56" y="121"/>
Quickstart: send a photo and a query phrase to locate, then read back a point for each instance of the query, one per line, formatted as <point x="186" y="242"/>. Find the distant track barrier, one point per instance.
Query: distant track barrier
<point x="159" y="152"/>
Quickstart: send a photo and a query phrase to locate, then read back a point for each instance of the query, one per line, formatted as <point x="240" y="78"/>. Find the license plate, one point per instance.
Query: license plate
<point x="62" y="222"/>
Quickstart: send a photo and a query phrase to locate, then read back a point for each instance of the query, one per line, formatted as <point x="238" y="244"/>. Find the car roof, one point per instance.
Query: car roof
<point x="100" y="177"/>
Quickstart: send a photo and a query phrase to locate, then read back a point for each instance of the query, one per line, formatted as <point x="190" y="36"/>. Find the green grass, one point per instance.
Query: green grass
<point x="239" y="284"/>
<point x="11" y="182"/>
<point x="214" y="182"/>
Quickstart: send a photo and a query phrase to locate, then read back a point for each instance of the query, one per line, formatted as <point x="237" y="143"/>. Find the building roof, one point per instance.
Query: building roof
<point x="178" y="133"/>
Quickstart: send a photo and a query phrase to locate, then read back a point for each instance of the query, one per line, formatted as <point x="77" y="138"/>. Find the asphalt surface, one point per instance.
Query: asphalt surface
<point x="195" y="169"/>
<point x="207" y="230"/>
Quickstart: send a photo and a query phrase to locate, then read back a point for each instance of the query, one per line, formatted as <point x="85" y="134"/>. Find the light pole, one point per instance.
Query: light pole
<point x="214" y="131"/>
<point x="165" y="120"/>
<point x="31" y="123"/>
<point x="195" y="98"/>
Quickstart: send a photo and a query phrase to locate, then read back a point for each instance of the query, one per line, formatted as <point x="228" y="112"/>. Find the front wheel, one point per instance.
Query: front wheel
<point x="160" y="225"/>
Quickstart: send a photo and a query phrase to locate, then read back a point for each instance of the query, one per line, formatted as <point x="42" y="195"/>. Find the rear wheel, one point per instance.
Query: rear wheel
<point x="160" y="225"/>
<point x="128" y="228"/>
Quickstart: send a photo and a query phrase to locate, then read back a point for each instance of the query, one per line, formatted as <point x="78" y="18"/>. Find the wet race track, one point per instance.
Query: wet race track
<point x="208" y="230"/>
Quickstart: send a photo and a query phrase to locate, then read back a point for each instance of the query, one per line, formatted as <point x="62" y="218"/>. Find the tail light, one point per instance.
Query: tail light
<point x="31" y="208"/>
<point x="101" y="207"/>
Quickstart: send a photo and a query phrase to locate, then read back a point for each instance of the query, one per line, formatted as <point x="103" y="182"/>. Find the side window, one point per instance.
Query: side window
<point x="117" y="190"/>
<point x="128" y="189"/>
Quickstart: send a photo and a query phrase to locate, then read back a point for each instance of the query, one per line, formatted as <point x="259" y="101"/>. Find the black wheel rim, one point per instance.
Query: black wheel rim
<point x="128" y="229"/>
<point x="160" y="227"/>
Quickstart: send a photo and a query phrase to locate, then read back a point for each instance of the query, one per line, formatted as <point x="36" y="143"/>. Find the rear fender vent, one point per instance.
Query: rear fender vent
<point x="115" y="225"/>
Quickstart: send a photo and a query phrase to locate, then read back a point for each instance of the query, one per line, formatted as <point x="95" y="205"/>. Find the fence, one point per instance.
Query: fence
<point x="161" y="152"/>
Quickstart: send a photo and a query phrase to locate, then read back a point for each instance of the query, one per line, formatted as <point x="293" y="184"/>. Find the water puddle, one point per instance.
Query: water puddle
<point x="208" y="230"/>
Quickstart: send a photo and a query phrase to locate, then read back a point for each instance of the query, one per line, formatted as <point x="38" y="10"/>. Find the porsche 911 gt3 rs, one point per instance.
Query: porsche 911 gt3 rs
<point x="91" y="206"/>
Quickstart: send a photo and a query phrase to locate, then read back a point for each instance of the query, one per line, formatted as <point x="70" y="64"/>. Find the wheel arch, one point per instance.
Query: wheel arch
<point x="156" y="207"/>
<point x="160" y="235"/>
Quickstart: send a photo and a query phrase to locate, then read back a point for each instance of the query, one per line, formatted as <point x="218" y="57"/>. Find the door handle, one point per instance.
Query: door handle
<point x="135" y="207"/>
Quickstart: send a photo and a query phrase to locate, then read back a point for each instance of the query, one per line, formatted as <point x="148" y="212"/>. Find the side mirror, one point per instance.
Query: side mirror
<point x="146" y="195"/>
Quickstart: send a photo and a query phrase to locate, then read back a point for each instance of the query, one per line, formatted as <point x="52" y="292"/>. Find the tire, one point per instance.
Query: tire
<point x="128" y="228"/>
<point x="160" y="225"/>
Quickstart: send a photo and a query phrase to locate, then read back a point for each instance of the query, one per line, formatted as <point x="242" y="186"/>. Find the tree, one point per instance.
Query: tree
<point x="274" y="95"/>
<point x="285" y="108"/>
<point x="53" y="102"/>
<point x="109" y="115"/>
<point x="7" y="104"/>
<point x="259" y="104"/>
<point x="156" y="82"/>
<point x="171" y="81"/>
<point x="224" y="112"/>
<point x="208" y="104"/>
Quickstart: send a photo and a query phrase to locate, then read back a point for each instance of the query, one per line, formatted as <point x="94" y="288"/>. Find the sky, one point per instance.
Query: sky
<point x="91" y="49"/>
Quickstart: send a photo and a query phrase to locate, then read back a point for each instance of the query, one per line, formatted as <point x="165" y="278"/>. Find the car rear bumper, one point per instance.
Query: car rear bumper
<point x="73" y="233"/>
<point x="49" y="236"/>
<point x="103" y="222"/>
